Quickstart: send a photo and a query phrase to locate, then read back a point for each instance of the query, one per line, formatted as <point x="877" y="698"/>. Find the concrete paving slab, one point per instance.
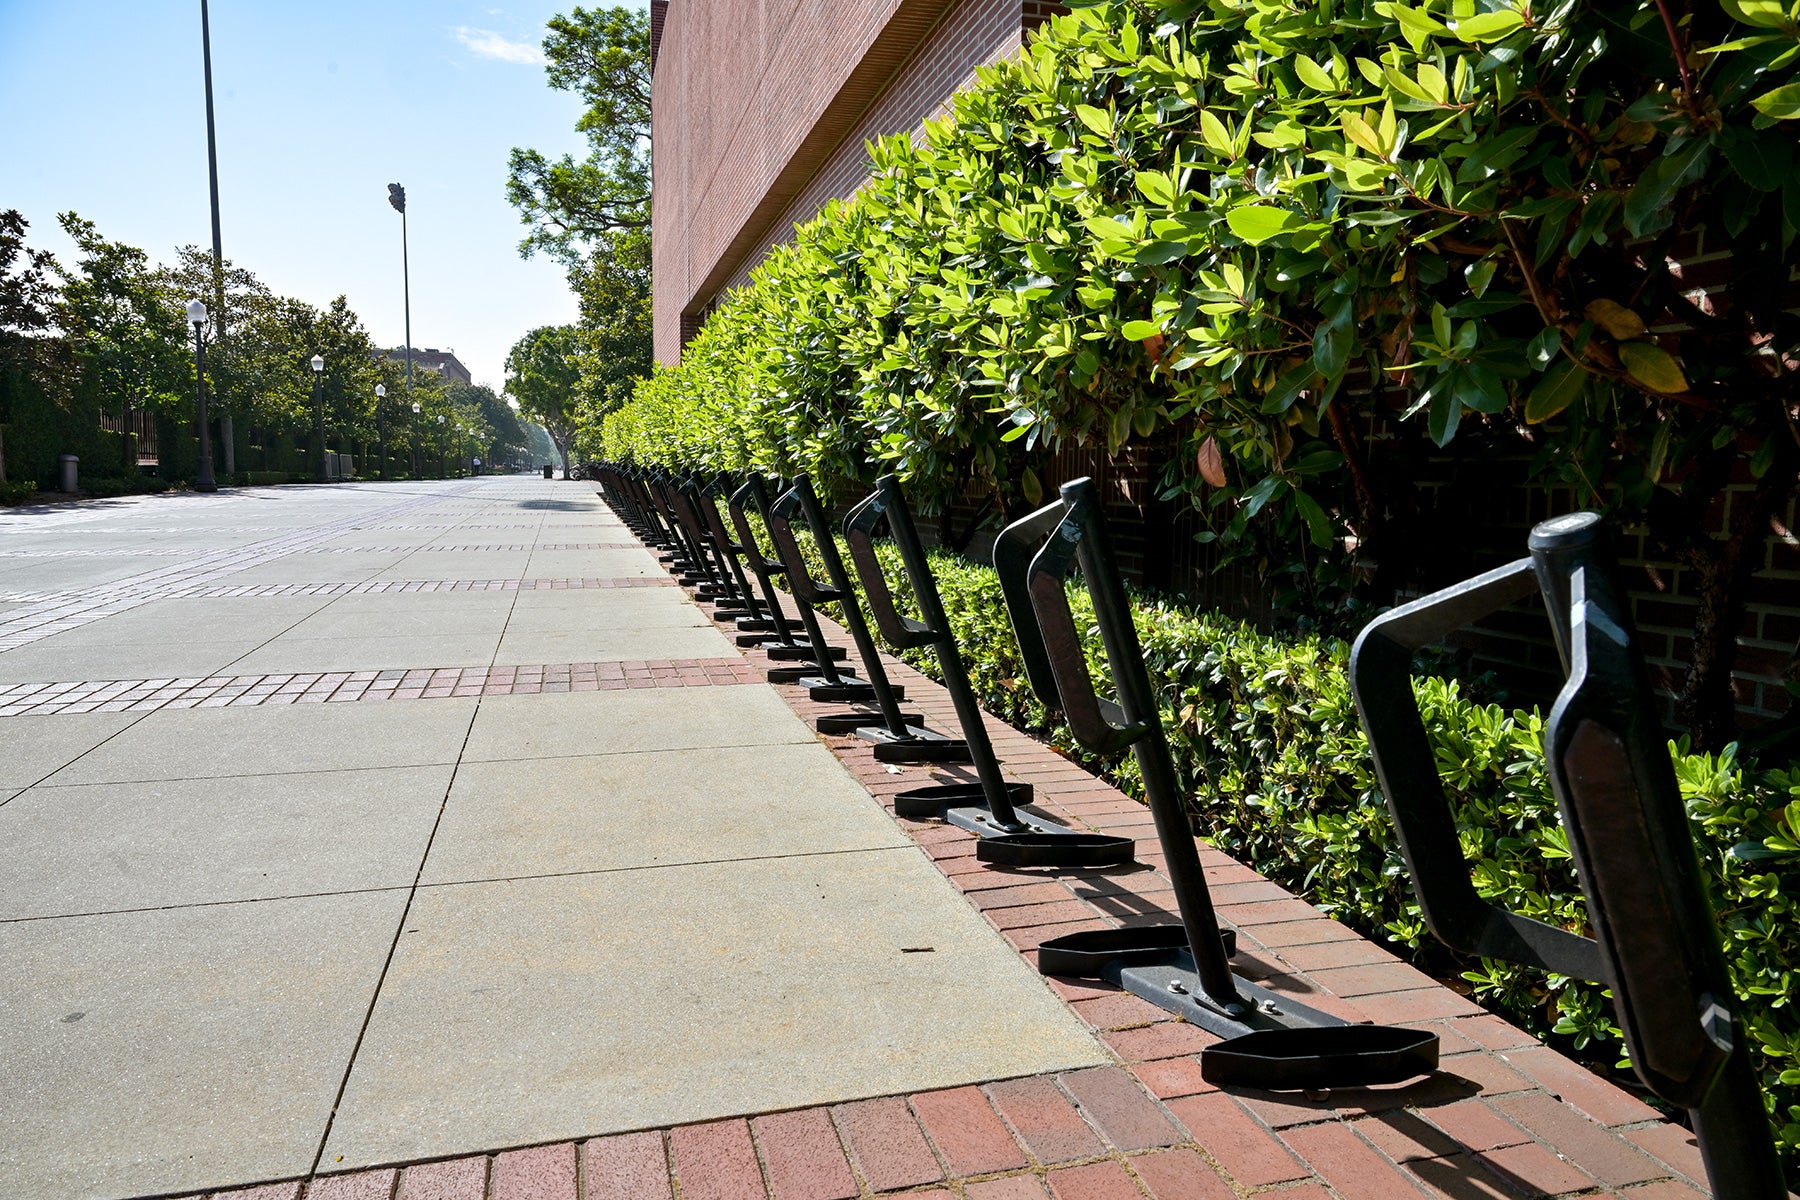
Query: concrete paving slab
<point x="549" y="1008"/>
<point x="470" y="614"/>
<point x="507" y="820"/>
<point x="75" y="573"/>
<point x="459" y="564"/>
<point x="569" y="724"/>
<point x="180" y="1050"/>
<point x="600" y="643"/>
<point x="315" y="568"/>
<point x="288" y="655"/>
<point x="34" y="748"/>
<point x="174" y="638"/>
<point x="592" y="564"/>
<point x="108" y="847"/>
<point x="562" y="610"/>
<point x="199" y="743"/>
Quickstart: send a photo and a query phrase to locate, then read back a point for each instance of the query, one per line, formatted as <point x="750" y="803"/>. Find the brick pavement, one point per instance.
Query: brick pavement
<point x="1504" y="1116"/>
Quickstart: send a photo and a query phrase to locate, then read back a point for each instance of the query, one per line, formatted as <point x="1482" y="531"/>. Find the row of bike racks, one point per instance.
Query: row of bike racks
<point x="1655" y="942"/>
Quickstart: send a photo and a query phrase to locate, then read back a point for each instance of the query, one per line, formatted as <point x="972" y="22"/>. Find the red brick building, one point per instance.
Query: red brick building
<point x="761" y="109"/>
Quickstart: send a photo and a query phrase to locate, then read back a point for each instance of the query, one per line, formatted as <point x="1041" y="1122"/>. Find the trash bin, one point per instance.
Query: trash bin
<point x="71" y="473"/>
<point x="549" y="471"/>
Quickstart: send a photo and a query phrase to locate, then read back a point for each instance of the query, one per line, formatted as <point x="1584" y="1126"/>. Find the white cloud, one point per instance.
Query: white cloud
<point x="489" y="44"/>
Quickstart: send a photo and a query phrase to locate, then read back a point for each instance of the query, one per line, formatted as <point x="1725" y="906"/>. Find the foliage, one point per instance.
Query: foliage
<point x="543" y="370"/>
<point x="1254" y="233"/>
<point x="1268" y="748"/>
<point x="17" y="492"/>
<point x="603" y="56"/>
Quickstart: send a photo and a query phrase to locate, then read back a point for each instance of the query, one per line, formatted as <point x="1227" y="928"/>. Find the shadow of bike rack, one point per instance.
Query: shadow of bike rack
<point x="1656" y="940"/>
<point x="1271" y="1040"/>
<point x="899" y="737"/>
<point x="990" y="808"/>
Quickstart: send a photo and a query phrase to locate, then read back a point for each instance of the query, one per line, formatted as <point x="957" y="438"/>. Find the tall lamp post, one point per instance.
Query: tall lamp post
<point x="196" y="314"/>
<point x="212" y="175"/>
<point x="418" y="461"/>
<point x="397" y="198"/>
<point x="442" y="470"/>
<point x="380" y="427"/>
<point x="318" y="366"/>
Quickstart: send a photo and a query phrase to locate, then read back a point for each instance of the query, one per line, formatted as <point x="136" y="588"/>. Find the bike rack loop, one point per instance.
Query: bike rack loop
<point x="762" y="566"/>
<point x="706" y="496"/>
<point x="822" y="678"/>
<point x="988" y="809"/>
<point x="1272" y="1041"/>
<point x="896" y="738"/>
<point x="1656" y="942"/>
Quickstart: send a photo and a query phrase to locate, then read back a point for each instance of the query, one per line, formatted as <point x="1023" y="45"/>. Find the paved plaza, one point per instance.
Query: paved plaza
<point x="424" y="841"/>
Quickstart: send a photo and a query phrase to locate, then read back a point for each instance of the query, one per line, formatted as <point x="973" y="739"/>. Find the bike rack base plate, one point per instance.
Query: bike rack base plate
<point x="802" y="652"/>
<point x="845" y="691"/>
<point x="925" y="745"/>
<point x="932" y="802"/>
<point x="792" y="673"/>
<point x="1089" y="954"/>
<point x="850" y="722"/>
<point x="1042" y="843"/>
<point x="1325" y="1057"/>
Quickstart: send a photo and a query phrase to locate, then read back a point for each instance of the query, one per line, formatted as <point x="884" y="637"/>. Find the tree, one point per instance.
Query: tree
<point x="29" y="353"/>
<point x="129" y="333"/>
<point x="603" y="56"/>
<point x="543" y="371"/>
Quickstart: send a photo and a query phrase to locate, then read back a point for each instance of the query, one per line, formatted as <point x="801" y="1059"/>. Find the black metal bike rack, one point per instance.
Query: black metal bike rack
<point x="898" y="737"/>
<point x="766" y="569"/>
<point x="991" y="807"/>
<point x="822" y="677"/>
<point x="1272" y="1040"/>
<point x="1656" y="941"/>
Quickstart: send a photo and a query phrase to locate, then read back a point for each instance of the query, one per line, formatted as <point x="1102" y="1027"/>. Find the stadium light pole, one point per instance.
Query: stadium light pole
<point x="212" y="172"/>
<point x="397" y="198"/>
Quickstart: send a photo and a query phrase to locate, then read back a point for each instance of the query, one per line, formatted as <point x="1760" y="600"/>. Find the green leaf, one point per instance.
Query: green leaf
<point x="1313" y="75"/>
<point x="1156" y="187"/>
<point x="1137" y="331"/>
<point x="1143" y="421"/>
<point x="1489" y="26"/>
<point x="1561" y="385"/>
<point x="1544" y="347"/>
<point x="1096" y="119"/>
<point x="1653" y="367"/>
<point x="1479" y="275"/>
<point x="1445" y="414"/>
<point x="1782" y="104"/>
<point x="1764" y="14"/>
<point x="1261" y="494"/>
<point x="1316" y="521"/>
<point x="1157" y="254"/>
<point x="1648" y="206"/>
<point x="1764" y="161"/>
<point x="1111" y="227"/>
<point x="1257" y="223"/>
<point x="1218" y="138"/>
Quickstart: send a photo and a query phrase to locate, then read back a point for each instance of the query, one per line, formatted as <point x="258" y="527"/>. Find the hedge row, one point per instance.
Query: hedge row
<point x="1268" y="748"/>
<point x="1256" y="230"/>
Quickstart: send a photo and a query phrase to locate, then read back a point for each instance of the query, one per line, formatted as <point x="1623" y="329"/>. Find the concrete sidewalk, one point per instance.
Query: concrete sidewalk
<point x="463" y="858"/>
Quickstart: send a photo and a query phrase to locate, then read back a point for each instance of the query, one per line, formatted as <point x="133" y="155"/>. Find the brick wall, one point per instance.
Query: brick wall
<point x="761" y="110"/>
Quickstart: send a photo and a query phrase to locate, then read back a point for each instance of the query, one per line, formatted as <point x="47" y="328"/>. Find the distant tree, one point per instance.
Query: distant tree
<point x="29" y="350"/>
<point x="543" y="373"/>
<point x="129" y="332"/>
<point x="575" y="207"/>
<point x="507" y="439"/>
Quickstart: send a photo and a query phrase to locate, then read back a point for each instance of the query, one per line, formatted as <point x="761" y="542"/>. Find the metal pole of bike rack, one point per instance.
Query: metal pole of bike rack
<point x="1273" y="1041"/>
<point x="989" y="808"/>
<point x="718" y="586"/>
<point x="1656" y="940"/>
<point x="821" y="677"/>
<point x="709" y="582"/>
<point x="683" y="561"/>
<point x="732" y="552"/>
<point x="764" y="568"/>
<point x="896" y="739"/>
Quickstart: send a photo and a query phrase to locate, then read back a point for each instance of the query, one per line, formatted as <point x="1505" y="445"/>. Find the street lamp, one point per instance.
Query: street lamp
<point x="380" y="426"/>
<point x="442" y="469"/>
<point x="318" y="366"/>
<point x="196" y="314"/>
<point x="397" y="198"/>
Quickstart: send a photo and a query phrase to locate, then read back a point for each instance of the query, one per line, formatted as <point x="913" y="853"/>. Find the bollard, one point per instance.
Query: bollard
<point x="70" y="474"/>
<point x="1272" y="1040"/>
<point x="1656" y="942"/>
<point x="549" y="471"/>
<point x="991" y="807"/>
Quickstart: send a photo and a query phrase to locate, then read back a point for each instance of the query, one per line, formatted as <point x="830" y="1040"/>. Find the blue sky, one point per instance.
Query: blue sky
<point x="319" y="106"/>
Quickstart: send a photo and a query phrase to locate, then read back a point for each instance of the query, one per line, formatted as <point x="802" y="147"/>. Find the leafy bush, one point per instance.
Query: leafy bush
<point x="18" y="492"/>
<point x="1301" y="247"/>
<point x="1268" y="748"/>
<point x="130" y="485"/>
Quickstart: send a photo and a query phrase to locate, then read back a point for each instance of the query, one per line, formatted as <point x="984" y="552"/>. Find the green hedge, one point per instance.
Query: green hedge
<point x="1268" y="747"/>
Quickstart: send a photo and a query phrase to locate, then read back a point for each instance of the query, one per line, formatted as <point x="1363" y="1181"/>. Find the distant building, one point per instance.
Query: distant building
<point x="444" y="362"/>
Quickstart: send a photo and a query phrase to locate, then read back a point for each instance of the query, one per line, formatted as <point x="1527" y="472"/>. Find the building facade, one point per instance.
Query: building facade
<point x="761" y="111"/>
<point x="444" y="362"/>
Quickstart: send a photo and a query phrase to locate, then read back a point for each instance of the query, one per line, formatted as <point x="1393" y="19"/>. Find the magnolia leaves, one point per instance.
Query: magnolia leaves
<point x="1646" y="363"/>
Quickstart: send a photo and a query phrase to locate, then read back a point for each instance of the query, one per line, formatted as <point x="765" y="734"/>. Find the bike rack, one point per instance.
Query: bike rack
<point x="992" y="807"/>
<point x="1656" y="941"/>
<point x="898" y="737"/>
<point x="1272" y="1041"/>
